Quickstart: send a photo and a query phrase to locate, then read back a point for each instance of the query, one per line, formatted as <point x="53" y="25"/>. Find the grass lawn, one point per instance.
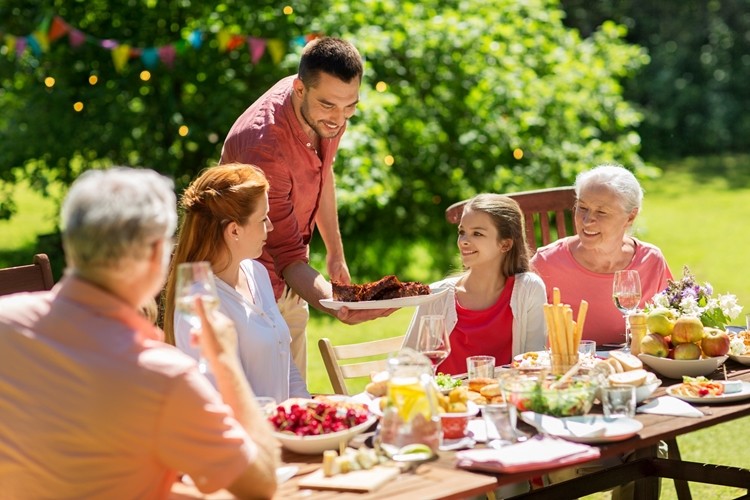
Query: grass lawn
<point x="696" y="213"/>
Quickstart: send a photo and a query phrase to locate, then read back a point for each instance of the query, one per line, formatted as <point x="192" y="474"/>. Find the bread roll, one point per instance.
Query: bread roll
<point x="627" y="360"/>
<point x="636" y="378"/>
<point x="616" y="365"/>
<point x="476" y="384"/>
<point x="490" y="390"/>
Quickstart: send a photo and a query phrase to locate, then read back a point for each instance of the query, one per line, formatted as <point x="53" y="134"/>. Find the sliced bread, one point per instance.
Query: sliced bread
<point x="627" y="360"/>
<point x="636" y="378"/>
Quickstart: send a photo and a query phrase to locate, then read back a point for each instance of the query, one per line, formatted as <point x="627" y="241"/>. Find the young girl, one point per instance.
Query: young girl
<point x="225" y="222"/>
<point x="495" y="306"/>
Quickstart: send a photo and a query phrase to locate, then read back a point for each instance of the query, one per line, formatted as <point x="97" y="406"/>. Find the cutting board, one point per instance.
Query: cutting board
<point x="360" y="480"/>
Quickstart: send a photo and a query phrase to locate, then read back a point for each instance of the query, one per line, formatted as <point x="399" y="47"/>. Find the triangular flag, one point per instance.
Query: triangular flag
<point x="76" y="38"/>
<point x="257" y="47"/>
<point x="235" y="42"/>
<point x="109" y="44"/>
<point x="34" y="44"/>
<point x="196" y="39"/>
<point x="167" y="55"/>
<point x="20" y="46"/>
<point x="300" y="40"/>
<point x="276" y="48"/>
<point x="10" y="41"/>
<point x="44" y="25"/>
<point x="150" y="57"/>
<point x="223" y="38"/>
<point x="120" y="56"/>
<point x="59" y="28"/>
<point x="41" y="38"/>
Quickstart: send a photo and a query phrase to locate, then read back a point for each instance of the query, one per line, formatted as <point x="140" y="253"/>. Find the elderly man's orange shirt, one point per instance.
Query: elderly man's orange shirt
<point x="94" y="405"/>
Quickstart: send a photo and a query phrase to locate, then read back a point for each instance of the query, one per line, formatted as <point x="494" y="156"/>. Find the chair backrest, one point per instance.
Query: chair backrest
<point x="30" y="278"/>
<point x="548" y="214"/>
<point x="338" y="372"/>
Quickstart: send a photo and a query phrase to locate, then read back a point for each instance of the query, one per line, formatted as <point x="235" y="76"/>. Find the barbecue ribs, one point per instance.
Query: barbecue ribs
<point x="388" y="287"/>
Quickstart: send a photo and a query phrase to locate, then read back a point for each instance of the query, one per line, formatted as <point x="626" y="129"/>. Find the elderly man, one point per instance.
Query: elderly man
<point x="93" y="403"/>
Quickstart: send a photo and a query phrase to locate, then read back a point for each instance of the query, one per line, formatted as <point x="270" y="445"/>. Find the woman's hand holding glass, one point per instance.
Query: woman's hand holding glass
<point x="195" y="280"/>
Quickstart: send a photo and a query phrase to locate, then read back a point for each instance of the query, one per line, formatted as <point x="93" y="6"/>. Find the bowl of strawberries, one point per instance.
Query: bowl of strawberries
<point x="311" y="426"/>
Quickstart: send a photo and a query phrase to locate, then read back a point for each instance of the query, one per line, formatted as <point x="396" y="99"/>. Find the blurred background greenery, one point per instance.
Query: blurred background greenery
<point x="459" y="97"/>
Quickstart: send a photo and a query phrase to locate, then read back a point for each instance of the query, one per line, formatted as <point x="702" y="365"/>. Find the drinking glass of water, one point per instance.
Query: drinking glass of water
<point x="195" y="279"/>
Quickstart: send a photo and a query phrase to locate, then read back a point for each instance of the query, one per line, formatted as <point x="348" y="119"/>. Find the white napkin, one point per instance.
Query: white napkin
<point x="669" y="405"/>
<point x="533" y="454"/>
<point x="585" y="428"/>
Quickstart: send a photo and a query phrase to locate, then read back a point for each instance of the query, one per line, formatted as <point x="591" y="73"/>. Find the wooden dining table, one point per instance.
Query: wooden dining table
<point x="440" y="479"/>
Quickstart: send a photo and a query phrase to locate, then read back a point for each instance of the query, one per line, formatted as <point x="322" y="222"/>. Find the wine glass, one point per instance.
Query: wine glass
<point x="626" y="292"/>
<point x="432" y="339"/>
<point x="195" y="279"/>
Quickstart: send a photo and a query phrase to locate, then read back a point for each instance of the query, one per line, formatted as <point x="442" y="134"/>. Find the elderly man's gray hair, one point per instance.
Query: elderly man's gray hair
<point x="109" y="215"/>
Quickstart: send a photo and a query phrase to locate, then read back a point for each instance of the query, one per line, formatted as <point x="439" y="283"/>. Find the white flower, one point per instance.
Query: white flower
<point x="737" y="346"/>
<point x="728" y="304"/>
<point x="661" y="300"/>
<point x="689" y="306"/>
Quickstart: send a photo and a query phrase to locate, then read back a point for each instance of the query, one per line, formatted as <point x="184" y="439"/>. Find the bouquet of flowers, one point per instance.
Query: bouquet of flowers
<point x="687" y="297"/>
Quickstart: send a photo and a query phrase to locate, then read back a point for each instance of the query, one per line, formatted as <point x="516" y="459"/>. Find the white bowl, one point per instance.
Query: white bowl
<point x="312" y="445"/>
<point x="644" y="391"/>
<point x="677" y="368"/>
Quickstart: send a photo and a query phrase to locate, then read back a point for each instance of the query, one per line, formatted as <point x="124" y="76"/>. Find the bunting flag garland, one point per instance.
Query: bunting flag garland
<point x="54" y="28"/>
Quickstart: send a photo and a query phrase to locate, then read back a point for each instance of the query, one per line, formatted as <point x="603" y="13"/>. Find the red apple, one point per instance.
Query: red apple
<point x="715" y="342"/>
<point x="687" y="351"/>
<point x="655" y="345"/>
<point x="687" y="329"/>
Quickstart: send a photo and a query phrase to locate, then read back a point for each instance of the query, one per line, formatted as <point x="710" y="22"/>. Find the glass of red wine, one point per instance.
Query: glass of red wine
<point x="432" y="339"/>
<point x="626" y="293"/>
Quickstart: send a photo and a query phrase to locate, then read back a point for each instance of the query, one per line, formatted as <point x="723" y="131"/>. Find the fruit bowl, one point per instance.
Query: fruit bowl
<point x="455" y="424"/>
<point x="530" y="393"/>
<point x="354" y="418"/>
<point x="677" y="368"/>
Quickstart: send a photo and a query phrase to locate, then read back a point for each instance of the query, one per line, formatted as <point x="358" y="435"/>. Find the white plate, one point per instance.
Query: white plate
<point x="677" y="368"/>
<point x="585" y="428"/>
<point x="385" y="304"/>
<point x="744" y="359"/>
<point x="723" y="398"/>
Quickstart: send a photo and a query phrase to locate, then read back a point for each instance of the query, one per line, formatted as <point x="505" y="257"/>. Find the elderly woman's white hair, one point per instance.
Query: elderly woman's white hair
<point x="116" y="214"/>
<point x="618" y="179"/>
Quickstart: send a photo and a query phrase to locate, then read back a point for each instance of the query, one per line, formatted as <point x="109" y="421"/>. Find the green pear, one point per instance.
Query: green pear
<point x="661" y="320"/>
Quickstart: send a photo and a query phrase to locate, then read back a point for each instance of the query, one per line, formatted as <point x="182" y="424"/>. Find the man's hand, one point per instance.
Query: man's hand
<point x="337" y="269"/>
<point x="353" y="317"/>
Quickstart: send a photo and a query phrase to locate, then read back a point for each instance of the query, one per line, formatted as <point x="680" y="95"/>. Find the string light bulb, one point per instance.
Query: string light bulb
<point x="518" y="153"/>
<point x="288" y="10"/>
<point x="183" y="130"/>
<point x="49" y="82"/>
<point x="145" y="75"/>
<point x="78" y="106"/>
<point x="93" y="80"/>
<point x="381" y="86"/>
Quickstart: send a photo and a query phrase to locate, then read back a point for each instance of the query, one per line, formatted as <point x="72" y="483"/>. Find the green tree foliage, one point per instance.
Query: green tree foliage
<point x="694" y="92"/>
<point x="459" y="97"/>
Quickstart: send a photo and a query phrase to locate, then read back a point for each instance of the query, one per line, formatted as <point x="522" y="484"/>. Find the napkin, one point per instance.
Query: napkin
<point x="584" y="427"/>
<point x="669" y="405"/>
<point x="540" y="452"/>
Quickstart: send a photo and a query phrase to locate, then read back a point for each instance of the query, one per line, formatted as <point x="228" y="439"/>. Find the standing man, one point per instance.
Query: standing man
<point x="93" y="403"/>
<point x="292" y="133"/>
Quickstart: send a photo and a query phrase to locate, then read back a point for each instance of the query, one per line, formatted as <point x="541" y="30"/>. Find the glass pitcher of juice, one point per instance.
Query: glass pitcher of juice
<point x="411" y="412"/>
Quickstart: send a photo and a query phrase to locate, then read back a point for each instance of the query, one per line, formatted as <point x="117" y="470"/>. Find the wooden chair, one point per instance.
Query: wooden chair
<point x="30" y="278"/>
<point x="548" y="214"/>
<point x="338" y="372"/>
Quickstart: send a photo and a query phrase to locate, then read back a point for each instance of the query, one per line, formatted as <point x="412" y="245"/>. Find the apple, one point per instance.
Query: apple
<point x="661" y="320"/>
<point x="687" y="351"/>
<point x="654" y="344"/>
<point x="687" y="329"/>
<point x="715" y="342"/>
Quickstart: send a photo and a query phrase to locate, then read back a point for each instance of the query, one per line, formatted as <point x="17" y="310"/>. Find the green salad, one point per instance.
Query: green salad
<point x="446" y="382"/>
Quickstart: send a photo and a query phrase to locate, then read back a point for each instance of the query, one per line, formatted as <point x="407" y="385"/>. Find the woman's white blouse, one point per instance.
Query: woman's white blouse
<point x="263" y="338"/>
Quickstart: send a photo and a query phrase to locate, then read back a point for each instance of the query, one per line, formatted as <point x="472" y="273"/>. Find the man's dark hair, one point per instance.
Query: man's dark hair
<point x="333" y="56"/>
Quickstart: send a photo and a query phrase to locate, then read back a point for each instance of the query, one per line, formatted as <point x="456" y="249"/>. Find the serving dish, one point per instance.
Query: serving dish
<point x="677" y="368"/>
<point x="385" y="304"/>
<point x="530" y="392"/>
<point x="311" y="445"/>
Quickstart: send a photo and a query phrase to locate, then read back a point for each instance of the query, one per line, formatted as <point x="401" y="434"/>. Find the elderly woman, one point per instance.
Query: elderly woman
<point x="582" y="266"/>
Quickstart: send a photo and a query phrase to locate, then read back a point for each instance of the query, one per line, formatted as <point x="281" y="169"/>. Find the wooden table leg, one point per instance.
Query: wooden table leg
<point x="646" y="488"/>
<point x="681" y="487"/>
